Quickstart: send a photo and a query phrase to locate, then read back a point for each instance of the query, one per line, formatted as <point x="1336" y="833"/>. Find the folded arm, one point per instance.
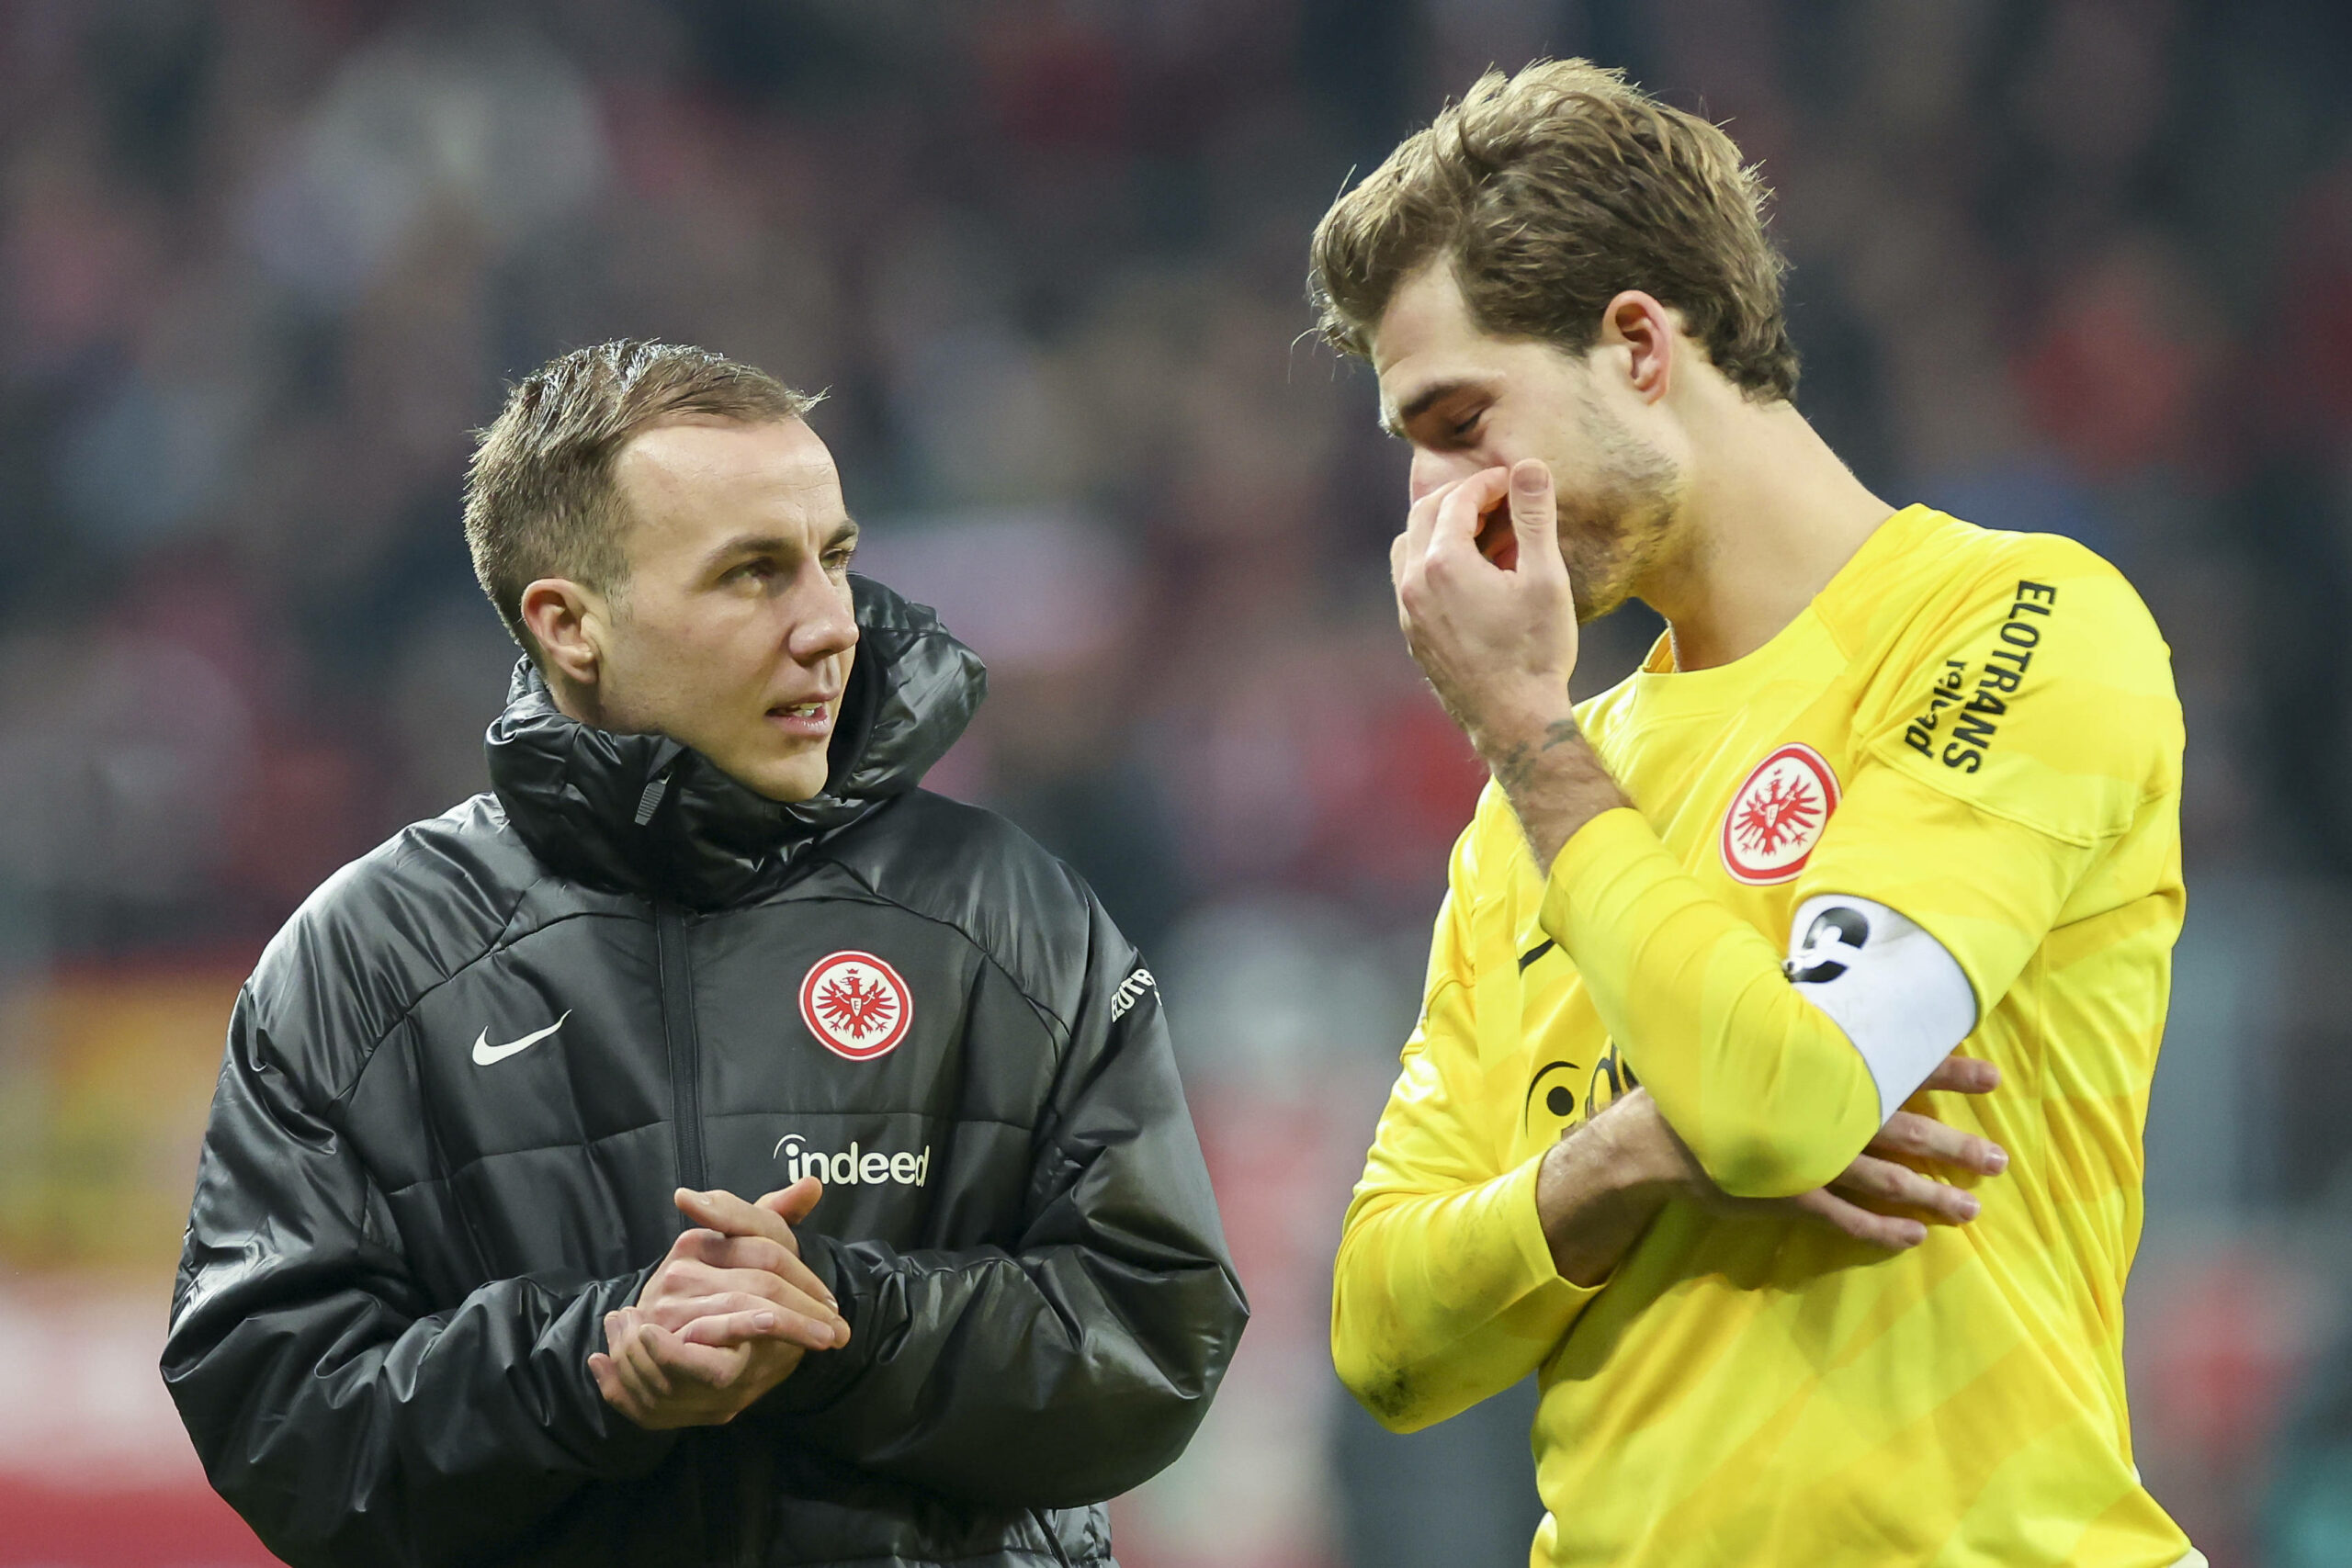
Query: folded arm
<point x="1774" y="1083"/>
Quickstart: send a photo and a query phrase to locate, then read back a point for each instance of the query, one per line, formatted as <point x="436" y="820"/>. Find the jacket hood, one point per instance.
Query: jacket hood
<point x="644" y="814"/>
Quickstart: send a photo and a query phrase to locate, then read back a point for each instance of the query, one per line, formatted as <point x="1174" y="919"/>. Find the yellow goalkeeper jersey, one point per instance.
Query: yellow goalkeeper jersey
<point x="1979" y="731"/>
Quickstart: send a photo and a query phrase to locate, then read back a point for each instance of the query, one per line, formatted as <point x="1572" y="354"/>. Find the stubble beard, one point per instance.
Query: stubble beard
<point x="1615" y="534"/>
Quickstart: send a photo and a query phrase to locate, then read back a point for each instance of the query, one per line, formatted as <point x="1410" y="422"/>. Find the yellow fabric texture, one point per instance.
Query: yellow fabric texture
<point x="1763" y="1391"/>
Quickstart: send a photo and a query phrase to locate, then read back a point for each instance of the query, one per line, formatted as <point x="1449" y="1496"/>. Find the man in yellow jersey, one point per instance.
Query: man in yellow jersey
<point x="1891" y="785"/>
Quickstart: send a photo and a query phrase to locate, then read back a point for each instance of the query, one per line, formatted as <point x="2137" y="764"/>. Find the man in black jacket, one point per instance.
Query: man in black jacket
<point x="704" y="938"/>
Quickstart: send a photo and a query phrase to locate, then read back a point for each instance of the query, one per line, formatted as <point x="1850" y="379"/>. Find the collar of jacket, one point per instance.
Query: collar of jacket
<point x="643" y="813"/>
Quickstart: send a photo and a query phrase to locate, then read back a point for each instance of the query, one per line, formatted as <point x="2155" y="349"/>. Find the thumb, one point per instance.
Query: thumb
<point x="793" y="1203"/>
<point x="1534" y="513"/>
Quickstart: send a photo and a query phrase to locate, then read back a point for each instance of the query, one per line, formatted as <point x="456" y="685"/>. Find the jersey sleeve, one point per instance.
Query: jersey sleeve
<point x="2013" y="738"/>
<point x="1444" y="1291"/>
<point x="2029" y="732"/>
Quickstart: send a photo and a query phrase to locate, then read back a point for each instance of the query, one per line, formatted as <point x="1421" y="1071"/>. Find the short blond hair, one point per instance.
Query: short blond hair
<point x="1549" y="193"/>
<point x="540" y="497"/>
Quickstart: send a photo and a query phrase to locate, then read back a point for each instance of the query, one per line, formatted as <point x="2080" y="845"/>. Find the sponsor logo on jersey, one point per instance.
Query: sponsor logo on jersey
<point x="1777" y="815"/>
<point x="857" y="1005"/>
<point x="852" y="1166"/>
<point x="1999" y="679"/>
<point x="1832" y="943"/>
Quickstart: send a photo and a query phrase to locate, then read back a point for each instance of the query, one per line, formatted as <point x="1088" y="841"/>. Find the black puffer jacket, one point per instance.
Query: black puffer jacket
<point x="408" y="1225"/>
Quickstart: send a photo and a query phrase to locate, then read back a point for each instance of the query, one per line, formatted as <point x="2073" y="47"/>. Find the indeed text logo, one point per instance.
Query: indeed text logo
<point x="871" y="1168"/>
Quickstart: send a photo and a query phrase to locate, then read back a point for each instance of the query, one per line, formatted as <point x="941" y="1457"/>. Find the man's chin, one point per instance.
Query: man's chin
<point x="786" y="782"/>
<point x="1592" y="605"/>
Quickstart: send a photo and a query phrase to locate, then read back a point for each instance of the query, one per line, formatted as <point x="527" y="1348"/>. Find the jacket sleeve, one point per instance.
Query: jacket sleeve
<point x="349" y="1423"/>
<point x="1078" y="1363"/>
<point x="1444" y="1291"/>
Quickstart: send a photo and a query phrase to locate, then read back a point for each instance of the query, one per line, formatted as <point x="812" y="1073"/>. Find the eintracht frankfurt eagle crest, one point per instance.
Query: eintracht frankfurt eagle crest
<point x="856" y="1005"/>
<point x="1778" y="814"/>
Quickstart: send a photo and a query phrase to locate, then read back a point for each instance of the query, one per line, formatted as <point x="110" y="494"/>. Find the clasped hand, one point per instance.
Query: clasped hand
<point x="726" y="1316"/>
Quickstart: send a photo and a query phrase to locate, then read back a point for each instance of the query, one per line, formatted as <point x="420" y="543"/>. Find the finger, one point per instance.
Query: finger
<point x="1535" y="515"/>
<point x="792" y="1205"/>
<point x="736" y="1329"/>
<point x="687" y="1271"/>
<point x="671" y="1298"/>
<point x="772" y="1258"/>
<point x="645" y="1381"/>
<point x="676" y="1312"/>
<point x="1879" y="1183"/>
<point x="685" y="1363"/>
<point x="1892" y="1233"/>
<point x="1964" y="1075"/>
<point x="1455" y="529"/>
<point x="1423" y="517"/>
<point x="722" y="1211"/>
<point x="1911" y="1135"/>
<point x="699" y="1258"/>
<point x="608" y="1384"/>
<point x="775" y="1292"/>
<point x="811" y="1330"/>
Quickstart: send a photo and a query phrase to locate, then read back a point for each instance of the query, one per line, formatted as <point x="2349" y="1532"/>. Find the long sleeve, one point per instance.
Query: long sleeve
<point x="1988" y="838"/>
<point x="1764" y="1087"/>
<point x="1078" y="1363"/>
<point x="349" y="1424"/>
<point x="1444" y="1292"/>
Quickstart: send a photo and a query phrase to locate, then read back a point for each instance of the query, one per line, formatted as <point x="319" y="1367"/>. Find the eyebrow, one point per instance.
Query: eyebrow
<point x="1426" y="398"/>
<point x="845" y="531"/>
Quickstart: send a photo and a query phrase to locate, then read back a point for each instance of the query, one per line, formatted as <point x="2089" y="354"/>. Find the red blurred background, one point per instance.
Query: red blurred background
<point x="2073" y="265"/>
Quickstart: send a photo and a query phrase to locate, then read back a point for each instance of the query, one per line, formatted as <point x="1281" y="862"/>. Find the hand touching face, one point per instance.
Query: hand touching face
<point x="1485" y="601"/>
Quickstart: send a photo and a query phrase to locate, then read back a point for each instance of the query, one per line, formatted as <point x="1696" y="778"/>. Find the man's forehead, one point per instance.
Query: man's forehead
<point x="1425" y="344"/>
<point x="697" y="454"/>
<point x="691" y="483"/>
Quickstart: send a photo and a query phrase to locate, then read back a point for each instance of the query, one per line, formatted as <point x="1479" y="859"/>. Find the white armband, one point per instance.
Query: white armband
<point x="1899" y="995"/>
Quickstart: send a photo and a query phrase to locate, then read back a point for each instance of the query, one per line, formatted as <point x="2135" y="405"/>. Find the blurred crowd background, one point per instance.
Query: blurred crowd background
<point x="2083" y="266"/>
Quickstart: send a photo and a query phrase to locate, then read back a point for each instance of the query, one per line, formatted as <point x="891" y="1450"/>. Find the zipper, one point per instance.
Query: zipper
<point x="684" y="1044"/>
<point x="714" y="1472"/>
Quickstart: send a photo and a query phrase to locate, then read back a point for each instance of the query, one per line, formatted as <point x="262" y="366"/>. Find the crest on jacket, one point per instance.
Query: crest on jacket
<point x="856" y="1005"/>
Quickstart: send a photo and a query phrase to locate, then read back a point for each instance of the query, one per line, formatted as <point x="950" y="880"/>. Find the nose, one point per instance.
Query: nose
<point x="1432" y="469"/>
<point x="823" y="617"/>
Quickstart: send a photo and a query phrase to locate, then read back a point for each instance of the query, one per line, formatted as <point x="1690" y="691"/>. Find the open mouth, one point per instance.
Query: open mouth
<point x="809" y="721"/>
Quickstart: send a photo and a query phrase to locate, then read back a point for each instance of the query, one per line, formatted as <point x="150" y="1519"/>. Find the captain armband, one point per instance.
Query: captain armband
<point x="1898" y="995"/>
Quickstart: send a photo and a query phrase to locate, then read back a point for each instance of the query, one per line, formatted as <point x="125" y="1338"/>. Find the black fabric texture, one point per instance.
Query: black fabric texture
<point x="398" y="1259"/>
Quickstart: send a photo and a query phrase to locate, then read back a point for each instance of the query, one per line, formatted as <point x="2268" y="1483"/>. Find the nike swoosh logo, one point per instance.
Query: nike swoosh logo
<point x="485" y="1052"/>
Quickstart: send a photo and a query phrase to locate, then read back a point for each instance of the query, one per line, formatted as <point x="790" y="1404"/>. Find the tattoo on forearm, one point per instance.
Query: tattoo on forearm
<point x="1511" y="769"/>
<point x="1553" y="797"/>
<point x="1515" y="769"/>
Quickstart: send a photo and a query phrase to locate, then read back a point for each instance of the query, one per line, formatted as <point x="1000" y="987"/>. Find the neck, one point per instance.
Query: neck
<point x="1770" y="516"/>
<point x="573" y="700"/>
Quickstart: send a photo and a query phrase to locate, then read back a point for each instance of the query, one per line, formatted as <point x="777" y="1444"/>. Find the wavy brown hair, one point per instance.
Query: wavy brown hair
<point x="1549" y="193"/>
<point x="541" y="498"/>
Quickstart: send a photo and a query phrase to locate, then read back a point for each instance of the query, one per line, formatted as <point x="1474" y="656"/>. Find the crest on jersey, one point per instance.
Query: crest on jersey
<point x="857" y="1005"/>
<point x="1777" y="815"/>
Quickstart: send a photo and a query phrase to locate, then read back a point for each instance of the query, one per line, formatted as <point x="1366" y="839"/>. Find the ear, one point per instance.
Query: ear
<point x="1643" y="332"/>
<point x="566" y="620"/>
